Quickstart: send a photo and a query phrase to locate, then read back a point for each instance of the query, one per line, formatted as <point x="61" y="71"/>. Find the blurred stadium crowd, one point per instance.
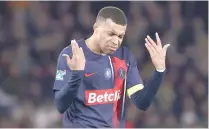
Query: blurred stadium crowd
<point x="32" y="34"/>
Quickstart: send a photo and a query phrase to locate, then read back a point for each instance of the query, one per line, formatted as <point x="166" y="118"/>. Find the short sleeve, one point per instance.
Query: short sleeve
<point x="134" y="80"/>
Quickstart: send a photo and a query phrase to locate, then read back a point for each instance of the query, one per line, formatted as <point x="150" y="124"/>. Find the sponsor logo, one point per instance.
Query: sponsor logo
<point x="94" y="97"/>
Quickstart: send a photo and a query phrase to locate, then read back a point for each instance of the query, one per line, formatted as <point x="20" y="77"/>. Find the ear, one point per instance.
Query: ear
<point x="95" y="26"/>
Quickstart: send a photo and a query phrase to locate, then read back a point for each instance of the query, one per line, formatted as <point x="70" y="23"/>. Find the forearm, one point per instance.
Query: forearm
<point x="143" y="98"/>
<point x="65" y="96"/>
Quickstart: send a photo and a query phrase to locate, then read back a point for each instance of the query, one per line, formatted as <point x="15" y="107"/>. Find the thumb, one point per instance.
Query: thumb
<point x="165" y="49"/>
<point x="67" y="58"/>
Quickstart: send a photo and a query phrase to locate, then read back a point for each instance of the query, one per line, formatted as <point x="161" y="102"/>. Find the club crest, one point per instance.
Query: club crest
<point x="121" y="73"/>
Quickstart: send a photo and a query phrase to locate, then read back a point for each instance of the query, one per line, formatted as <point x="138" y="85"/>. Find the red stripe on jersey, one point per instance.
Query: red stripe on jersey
<point x="120" y="68"/>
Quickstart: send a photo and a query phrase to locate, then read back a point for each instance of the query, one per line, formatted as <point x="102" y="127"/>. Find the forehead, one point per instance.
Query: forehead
<point x="112" y="26"/>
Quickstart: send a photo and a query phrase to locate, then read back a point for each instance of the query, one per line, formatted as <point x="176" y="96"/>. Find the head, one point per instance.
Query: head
<point x="109" y="29"/>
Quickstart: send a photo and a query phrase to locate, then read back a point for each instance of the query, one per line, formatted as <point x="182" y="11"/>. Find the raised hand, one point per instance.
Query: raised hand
<point x="157" y="52"/>
<point x="77" y="62"/>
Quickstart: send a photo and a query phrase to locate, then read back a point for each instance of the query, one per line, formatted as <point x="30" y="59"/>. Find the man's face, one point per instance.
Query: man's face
<point x="110" y="36"/>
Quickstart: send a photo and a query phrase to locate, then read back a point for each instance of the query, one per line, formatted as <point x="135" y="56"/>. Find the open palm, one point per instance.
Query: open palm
<point x="157" y="52"/>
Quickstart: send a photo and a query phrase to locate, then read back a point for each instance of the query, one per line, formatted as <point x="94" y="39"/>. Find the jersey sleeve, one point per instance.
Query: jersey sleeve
<point x="134" y="80"/>
<point x="62" y="71"/>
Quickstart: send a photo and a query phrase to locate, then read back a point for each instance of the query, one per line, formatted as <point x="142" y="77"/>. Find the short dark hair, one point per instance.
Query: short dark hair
<point x="113" y="13"/>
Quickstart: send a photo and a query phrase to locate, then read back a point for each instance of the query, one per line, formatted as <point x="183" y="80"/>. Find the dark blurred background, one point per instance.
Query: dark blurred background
<point x="32" y="34"/>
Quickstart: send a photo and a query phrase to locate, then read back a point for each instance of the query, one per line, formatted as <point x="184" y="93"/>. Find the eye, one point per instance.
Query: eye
<point x="121" y="36"/>
<point x="111" y="34"/>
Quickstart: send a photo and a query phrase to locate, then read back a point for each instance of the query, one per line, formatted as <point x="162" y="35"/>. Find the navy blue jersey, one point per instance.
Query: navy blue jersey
<point x="97" y="100"/>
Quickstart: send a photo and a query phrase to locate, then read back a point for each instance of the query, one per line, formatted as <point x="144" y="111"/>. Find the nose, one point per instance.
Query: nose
<point x="116" y="40"/>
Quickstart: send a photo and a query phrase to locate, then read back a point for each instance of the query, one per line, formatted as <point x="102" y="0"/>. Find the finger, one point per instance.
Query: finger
<point x="76" y="46"/>
<point x="82" y="53"/>
<point x="149" y="49"/>
<point x="158" y="39"/>
<point x="153" y="46"/>
<point x="151" y="41"/>
<point x="165" y="49"/>
<point x="73" y="47"/>
<point x="150" y="46"/>
<point x="67" y="57"/>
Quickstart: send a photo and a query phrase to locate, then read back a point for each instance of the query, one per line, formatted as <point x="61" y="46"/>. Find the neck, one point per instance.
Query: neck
<point x="92" y="44"/>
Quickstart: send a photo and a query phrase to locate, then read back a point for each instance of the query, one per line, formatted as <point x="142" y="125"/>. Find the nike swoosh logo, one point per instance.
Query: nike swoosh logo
<point x="89" y="74"/>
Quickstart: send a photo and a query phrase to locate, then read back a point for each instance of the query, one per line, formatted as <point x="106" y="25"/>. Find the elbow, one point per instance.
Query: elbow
<point x="61" y="110"/>
<point x="144" y="108"/>
<point x="144" y="105"/>
<point x="59" y="105"/>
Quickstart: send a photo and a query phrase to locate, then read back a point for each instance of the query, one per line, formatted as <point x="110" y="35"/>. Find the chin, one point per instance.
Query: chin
<point x="108" y="51"/>
<point x="111" y="51"/>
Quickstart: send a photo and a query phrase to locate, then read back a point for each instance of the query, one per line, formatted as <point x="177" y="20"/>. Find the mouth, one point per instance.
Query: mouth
<point x="113" y="49"/>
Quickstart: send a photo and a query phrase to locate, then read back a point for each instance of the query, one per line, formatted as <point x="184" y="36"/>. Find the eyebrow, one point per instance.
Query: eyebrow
<point x="113" y="31"/>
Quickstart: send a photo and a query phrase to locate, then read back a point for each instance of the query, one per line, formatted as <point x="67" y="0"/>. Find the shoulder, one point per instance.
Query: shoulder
<point x="126" y="50"/>
<point x="61" y="61"/>
<point x="68" y="50"/>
